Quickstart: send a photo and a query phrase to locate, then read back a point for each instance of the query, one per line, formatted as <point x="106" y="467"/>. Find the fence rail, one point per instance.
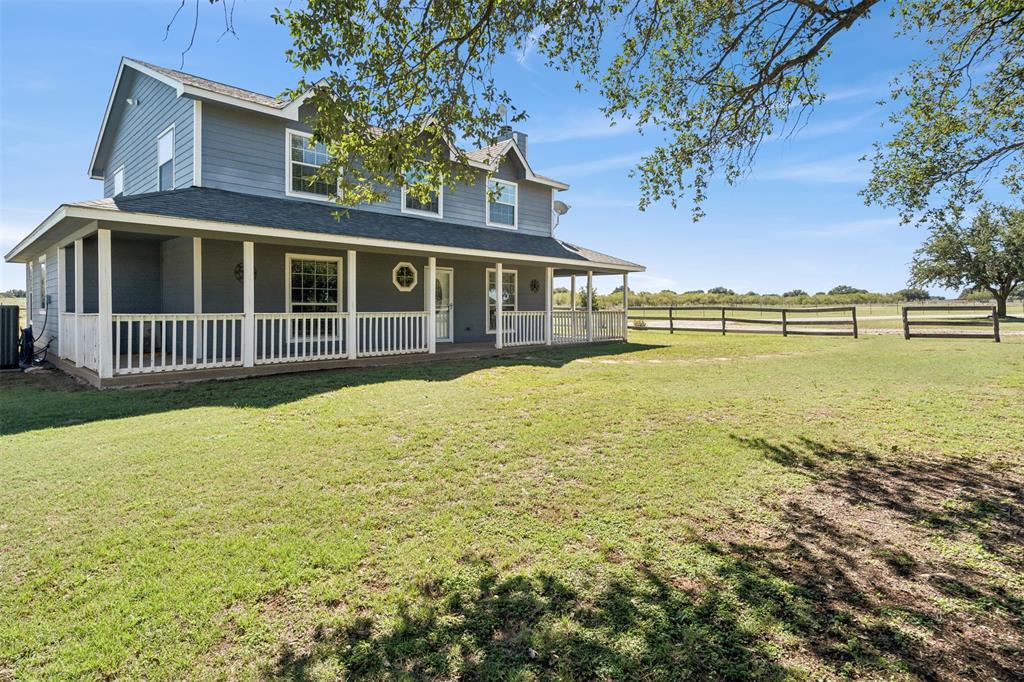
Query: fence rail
<point x="992" y="325"/>
<point x="523" y="327"/>
<point x="66" y="333"/>
<point x="784" y="324"/>
<point x="160" y="342"/>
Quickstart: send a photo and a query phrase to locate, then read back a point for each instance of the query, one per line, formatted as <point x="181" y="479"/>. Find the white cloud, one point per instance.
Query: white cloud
<point x="645" y="281"/>
<point x="848" y="228"/>
<point x="837" y="170"/>
<point x="584" y="168"/>
<point x="529" y="47"/>
<point x="571" y="126"/>
<point x="816" y="129"/>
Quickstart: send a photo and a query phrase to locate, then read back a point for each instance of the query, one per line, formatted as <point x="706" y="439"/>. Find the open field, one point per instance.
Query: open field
<point x="681" y="507"/>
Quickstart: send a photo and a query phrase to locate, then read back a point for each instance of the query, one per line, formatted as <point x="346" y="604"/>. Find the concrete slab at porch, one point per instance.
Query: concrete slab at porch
<point x="449" y="352"/>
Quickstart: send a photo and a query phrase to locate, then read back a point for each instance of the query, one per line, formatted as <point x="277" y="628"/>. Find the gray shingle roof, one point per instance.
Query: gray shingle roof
<point x="214" y="86"/>
<point x="216" y="205"/>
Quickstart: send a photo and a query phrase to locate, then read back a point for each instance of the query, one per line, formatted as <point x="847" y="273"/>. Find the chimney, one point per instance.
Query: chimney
<point x="506" y="133"/>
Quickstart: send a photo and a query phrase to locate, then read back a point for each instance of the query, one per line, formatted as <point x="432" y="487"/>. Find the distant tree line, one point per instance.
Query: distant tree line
<point x="13" y="293"/>
<point x="838" y="295"/>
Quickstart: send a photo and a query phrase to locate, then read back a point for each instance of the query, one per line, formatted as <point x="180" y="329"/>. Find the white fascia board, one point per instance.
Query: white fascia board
<point x="58" y="215"/>
<point x="89" y="213"/>
<point x="211" y="96"/>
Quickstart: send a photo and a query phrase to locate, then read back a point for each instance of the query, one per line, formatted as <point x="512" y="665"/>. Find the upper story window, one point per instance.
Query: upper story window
<point x="119" y="182"/>
<point x="304" y="158"/>
<point x="502" y="203"/>
<point x="165" y="159"/>
<point x="433" y="207"/>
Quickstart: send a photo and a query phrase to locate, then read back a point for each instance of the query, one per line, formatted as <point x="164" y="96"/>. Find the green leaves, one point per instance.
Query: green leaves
<point x="407" y="83"/>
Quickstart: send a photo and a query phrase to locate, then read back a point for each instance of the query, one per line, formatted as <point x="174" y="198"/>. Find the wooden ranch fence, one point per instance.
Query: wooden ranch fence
<point x="992" y="325"/>
<point x="785" y="321"/>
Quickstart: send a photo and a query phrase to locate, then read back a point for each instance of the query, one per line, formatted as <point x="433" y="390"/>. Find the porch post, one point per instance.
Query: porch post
<point x="499" y="323"/>
<point x="248" y="305"/>
<point x="572" y="292"/>
<point x="352" y="329"/>
<point x="62" y="264"/>
<point x="197" y="275"/>
<point x="431" y="304"/>
<point x="590" y="306"/>
<point x="104" y="350"/>
<point x="549" y="276"/>
<point x="625" y="305"/>
<point x="79" y="299"/>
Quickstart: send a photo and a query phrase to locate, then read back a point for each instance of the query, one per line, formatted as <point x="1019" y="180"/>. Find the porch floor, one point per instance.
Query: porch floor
<point x="446" y="352"/>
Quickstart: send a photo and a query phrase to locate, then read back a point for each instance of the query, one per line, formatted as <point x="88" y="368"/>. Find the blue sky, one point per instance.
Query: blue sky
<point x="795" y="222"/>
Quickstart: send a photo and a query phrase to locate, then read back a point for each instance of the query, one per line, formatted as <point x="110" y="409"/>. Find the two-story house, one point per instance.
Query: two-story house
<point x="212" y="249"/>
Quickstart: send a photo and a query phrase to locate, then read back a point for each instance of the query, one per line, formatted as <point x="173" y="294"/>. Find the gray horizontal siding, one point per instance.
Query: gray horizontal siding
<point x="244" y="151"/>
<point x="134" y="130"/>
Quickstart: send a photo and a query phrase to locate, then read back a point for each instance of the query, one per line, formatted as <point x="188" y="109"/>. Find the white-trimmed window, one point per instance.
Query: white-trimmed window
<point x="304" y="158"/>
<point x="404" y="277"/>
<point x="40" y="285"/>
<point x="502" y="203"/>
<point x="313" y="283"/>
<point x="509" y="298"/>
<point x="165" y="159"/>
<point x="119" y="182"/>
<point x="433" y="207"/>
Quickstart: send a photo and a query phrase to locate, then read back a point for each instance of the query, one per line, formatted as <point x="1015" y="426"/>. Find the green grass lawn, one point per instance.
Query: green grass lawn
<point x="683" y="507"/>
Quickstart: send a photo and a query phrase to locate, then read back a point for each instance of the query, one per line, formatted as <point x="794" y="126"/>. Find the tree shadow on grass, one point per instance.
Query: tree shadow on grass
<point x="520" y="627"/>
<point x="47" y="399"/>
<point x="855" y="575"/>
<point x="906" y="562"/>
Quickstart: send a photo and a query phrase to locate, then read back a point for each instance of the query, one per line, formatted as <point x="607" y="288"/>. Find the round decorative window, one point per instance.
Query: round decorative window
<point x="404" y="276"/>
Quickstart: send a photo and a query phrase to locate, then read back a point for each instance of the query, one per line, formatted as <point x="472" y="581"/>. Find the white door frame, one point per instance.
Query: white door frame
<point x="451" y="302"/>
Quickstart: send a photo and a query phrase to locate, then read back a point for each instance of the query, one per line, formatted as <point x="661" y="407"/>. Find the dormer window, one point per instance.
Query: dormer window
<point x="119" y="182"/>
<point x="304" y="158"/>
<point x="433" y="207"/>
<point x="502" y="203"/>
<point x="165" y="159"/>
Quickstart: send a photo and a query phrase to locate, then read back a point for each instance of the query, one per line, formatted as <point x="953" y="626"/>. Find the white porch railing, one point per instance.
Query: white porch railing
<point x="522" y="327"/>
<point x="299" y="337"/>
<point x="391" y="333"/>
<point x="568" y="326"/>
<point x="609" y="325"/>
<point x="66" y="334"/>
<point x="163" y="342"/>
<point x="87" y="342"/>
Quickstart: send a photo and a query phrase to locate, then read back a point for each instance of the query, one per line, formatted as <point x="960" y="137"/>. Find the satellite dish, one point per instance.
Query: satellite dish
<point x="502" y="110"/>
<point x="560" y="208"/>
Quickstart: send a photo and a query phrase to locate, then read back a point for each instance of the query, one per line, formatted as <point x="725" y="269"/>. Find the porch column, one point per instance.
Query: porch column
<point x="572" y="292"/>
<point x="104" y="350"/>
<point x="625" y="305"/>
<point x="549" y="276"/>
<point x="197" y="275"/>
<point x="499" y="323"/>
<point x="79" y="299"/>
<point x="590" y="305"/>
<point x="431" y="304"/>
<point x="62" y="296"/>
<point x="248" y="305"/>
<point x="352" y="328"/>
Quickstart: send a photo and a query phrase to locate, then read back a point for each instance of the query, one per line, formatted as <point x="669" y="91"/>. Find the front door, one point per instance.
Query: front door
<point x="443" y="298"/>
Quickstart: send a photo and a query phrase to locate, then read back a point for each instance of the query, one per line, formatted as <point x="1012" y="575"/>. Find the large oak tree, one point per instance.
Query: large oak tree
<point x="708" y="80"/>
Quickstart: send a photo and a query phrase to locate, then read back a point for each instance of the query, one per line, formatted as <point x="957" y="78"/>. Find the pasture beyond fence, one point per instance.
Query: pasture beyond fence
<point x="991" y="325"/>
<point x="840" y="320"/>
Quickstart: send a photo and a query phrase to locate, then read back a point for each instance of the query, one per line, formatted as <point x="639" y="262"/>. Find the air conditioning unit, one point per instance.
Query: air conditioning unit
<point x="9" y="336"/>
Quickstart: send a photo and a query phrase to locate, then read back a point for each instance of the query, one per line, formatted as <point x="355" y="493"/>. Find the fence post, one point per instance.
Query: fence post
<point x="670" y="329"/>
<point x="785" y="332"/>
<point x="906" y="325"/>
<point x="854" y="311"/>
<point x="995" y="324"/>
<point x="723" y="321"/>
